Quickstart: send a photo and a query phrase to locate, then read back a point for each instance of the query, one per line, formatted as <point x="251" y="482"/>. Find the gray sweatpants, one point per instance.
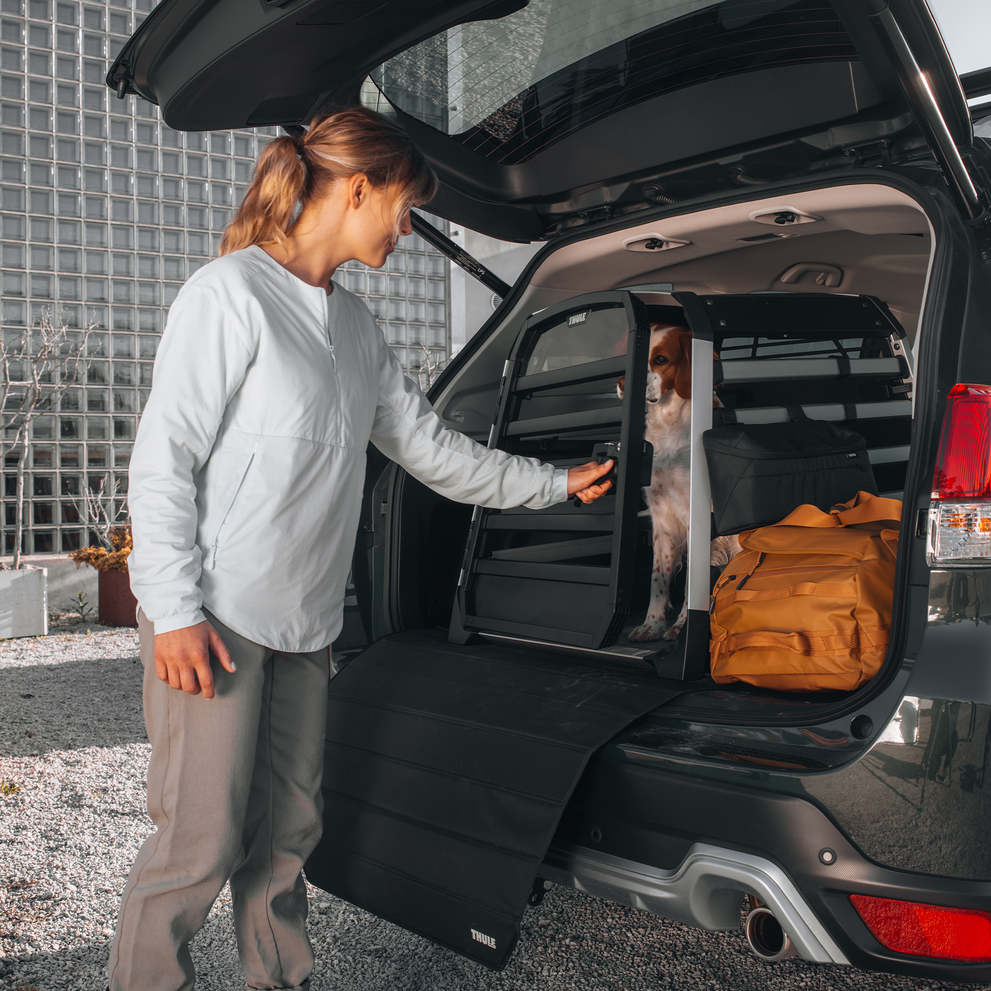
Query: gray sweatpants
<point x="234" y="789"/>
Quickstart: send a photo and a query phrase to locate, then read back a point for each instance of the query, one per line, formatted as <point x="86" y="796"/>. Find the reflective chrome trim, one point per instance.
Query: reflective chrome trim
<point x="699" y="497"/>
<point x="927" y="110"/>
<point x="706" y="890"/>
<point x="634" y="655"/>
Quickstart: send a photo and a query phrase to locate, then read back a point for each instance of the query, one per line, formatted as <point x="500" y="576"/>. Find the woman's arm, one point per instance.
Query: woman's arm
<point x="200" y="364"/>
<point x="408" y="431"/>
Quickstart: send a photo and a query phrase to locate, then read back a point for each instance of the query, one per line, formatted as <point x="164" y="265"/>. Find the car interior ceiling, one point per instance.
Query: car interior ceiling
<point x="878" y="237"/>
<point x="868" y="239"/>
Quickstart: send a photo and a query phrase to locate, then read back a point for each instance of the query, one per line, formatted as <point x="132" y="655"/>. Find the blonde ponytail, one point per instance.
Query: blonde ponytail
<point x="338" y="145"/>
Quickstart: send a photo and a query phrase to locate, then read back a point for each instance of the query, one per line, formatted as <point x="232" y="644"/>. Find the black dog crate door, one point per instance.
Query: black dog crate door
<point x="563" y="574"/>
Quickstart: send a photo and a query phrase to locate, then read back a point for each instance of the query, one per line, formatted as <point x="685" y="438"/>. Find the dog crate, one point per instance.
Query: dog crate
<point x="568" y="577"/>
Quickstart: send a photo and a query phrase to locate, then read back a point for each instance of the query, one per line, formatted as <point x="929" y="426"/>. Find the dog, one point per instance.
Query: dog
<point x="667" y="428"/>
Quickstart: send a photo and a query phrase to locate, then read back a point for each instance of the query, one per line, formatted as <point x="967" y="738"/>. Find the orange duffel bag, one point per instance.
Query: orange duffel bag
<point x="806" y="605"/>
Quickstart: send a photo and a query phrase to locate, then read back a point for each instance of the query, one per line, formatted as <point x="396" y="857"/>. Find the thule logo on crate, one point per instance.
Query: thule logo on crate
<point x="577" y="318"/>
<point x="483" y="939"/>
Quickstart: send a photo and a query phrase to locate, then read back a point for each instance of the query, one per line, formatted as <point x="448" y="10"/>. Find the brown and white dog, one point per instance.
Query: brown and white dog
<point x="668" y="423"/>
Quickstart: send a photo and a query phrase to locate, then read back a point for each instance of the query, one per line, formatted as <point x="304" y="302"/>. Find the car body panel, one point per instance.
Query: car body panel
<point x="761" y="814"/>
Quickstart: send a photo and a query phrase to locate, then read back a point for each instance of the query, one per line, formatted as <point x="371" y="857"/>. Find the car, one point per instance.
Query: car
<point x="799" y="181"/>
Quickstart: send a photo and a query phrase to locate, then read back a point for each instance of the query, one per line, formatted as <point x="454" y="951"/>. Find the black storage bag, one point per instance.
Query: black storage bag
<point x="759" y="473"/>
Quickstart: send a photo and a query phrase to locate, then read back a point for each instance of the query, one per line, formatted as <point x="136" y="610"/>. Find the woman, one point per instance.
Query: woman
<point x="245" y="488"/>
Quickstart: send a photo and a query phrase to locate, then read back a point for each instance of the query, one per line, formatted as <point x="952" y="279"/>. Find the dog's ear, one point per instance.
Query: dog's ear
<point x="683" y="373"/>
<point x="621" y="386"/>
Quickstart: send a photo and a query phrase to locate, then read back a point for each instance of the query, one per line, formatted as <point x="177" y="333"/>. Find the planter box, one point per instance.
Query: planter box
<point x="118" y="607"/>
<point x="24" y="603"/>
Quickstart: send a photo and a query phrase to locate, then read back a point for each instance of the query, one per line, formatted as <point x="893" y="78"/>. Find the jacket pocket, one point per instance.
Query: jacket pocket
<point x="235" y="494"/>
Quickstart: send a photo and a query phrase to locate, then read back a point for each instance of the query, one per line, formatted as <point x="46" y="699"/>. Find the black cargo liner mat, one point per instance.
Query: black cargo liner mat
<point x="447" y="770"/>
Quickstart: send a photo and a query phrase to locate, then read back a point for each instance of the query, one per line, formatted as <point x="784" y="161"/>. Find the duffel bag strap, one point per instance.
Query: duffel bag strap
<point x="811" y="643"/>
<point x="863" y="508"/>
<point x="824" y="589"/>
<point x="808" y="515"/>
<point x="867" y="508"/>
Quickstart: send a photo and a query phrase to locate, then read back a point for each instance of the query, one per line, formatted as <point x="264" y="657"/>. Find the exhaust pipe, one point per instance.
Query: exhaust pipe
<point x="766" y="937"/>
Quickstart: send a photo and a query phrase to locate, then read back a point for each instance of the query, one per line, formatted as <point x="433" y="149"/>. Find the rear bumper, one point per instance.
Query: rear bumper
<point x="706" y="891"/>
<point x="688" y="849"/>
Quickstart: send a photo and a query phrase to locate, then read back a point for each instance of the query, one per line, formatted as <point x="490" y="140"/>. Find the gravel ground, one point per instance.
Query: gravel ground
<point x="73" y="755"/>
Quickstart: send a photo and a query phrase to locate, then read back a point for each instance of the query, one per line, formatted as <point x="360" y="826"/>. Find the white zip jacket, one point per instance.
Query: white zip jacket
<point x="246" y="476"/>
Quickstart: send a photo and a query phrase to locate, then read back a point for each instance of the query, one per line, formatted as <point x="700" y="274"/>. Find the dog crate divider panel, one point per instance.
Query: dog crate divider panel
<point x="688" y="658"/>
<point x="568" y="356"/>
<point x="547" y="521"/>
<point x="557" y="550"/>
<point x="550" y="572"/>
<point x="835" y="412"/>
<point x="755" y="370"/>
<point x="608" y="416"/>
<point x="697" y="587"/>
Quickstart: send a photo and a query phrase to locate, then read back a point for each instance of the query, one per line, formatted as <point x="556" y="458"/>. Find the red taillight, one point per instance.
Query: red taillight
<point x="960" y="511"/>
<point x="927" y="930"/>
<point x="963" y="466"/>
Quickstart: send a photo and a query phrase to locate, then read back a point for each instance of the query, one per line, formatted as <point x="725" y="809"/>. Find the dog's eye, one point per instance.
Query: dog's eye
<point x="660" y="360"/>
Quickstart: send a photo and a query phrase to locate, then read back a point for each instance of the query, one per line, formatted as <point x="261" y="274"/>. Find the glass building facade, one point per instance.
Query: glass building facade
<point x="104" y="212"/>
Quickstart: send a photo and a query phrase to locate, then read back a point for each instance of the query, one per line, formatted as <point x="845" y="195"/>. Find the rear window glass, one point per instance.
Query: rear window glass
<point x="964" y="25"/>
<point x="509" y="87"/>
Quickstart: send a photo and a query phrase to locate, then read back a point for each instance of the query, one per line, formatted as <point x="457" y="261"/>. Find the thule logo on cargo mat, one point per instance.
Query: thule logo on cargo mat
<point x="483" y="939"/>
<point x="574" y="320"/>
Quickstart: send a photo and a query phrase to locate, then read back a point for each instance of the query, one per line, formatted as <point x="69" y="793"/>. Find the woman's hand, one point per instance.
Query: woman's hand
<point x="580" y="481"/>
<point x="182" y="658"/>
